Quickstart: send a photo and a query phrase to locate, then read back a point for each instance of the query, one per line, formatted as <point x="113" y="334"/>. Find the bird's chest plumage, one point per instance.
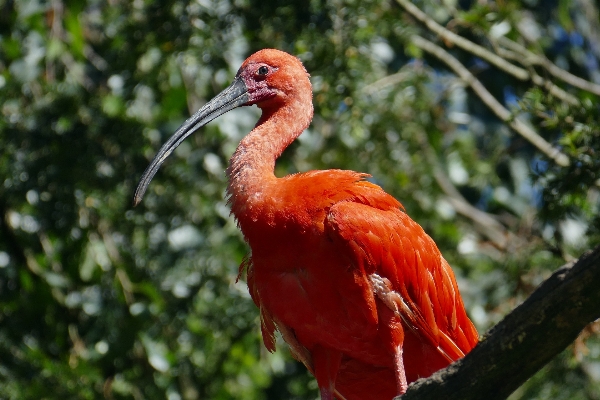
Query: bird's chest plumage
<point x="307" y="284"/>
<point x="299" y="276"/>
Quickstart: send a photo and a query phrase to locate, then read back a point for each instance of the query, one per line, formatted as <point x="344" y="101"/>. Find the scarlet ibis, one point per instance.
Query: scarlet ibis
<point x="358" y="290"/>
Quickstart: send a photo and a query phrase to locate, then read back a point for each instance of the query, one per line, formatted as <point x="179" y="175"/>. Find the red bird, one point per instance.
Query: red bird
<point x="358" y="290"/>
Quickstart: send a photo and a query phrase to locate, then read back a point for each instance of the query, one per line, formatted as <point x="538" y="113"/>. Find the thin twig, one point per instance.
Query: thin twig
<point x="527" y="58"/>
<point x="504" y="114"/>
<point x="386" y="81"/>
<point x="193" y="101"/>
<point x="487" y="224"/>
<point x="463" y="43"/>
<point x="94" y="58"/>
<point x="535" y="78"/>
<point x="533" y="59"/>
<point x="554" y="90"/>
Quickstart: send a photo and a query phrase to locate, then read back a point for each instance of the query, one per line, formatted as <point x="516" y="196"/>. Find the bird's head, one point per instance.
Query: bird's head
<point x="273" y="77"/>
<point x="269" y="78"/>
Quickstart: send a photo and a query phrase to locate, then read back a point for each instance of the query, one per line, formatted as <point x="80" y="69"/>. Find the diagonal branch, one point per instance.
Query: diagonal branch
<point x="525" y="340"/>
<point x="463" y="43"/>
<point x="526" y="58"/>
<point x="529" y="58"/>
<point x="504" y="114"/>
<point x="485" y="223"/>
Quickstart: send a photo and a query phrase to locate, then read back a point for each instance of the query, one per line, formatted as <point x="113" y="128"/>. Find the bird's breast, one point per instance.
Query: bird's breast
<point x="304" y="282"/>
<point x="300" y="276"/>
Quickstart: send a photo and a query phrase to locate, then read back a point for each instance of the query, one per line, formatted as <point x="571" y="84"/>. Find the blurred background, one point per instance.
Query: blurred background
<point x="100" y="300"/>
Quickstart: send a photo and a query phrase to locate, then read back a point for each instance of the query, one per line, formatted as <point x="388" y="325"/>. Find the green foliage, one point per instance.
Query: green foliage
<point x="101" y="300"/>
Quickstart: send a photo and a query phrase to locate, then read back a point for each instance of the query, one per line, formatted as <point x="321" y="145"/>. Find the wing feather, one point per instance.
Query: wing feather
<point x="407" y="272"/>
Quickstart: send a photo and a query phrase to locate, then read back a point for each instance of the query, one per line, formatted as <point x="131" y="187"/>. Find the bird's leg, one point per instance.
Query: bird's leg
<point x="393" y="333"/>
<point x="399" y="369"/>
<point x="326" y="363"/>
<point x="327" y="394"/>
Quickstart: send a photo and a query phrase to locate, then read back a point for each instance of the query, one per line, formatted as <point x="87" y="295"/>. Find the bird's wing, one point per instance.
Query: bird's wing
<point x="407" y="271"/>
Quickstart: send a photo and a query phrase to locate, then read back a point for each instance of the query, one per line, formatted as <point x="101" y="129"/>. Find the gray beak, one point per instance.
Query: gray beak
<point x="234" y="96"/>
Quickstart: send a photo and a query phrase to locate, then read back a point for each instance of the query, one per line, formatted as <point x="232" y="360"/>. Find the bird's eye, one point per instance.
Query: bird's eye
<point x="263" y="70"/>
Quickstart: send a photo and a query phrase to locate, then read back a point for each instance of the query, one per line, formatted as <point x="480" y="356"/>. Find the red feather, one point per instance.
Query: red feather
<point x="357" y="289"/>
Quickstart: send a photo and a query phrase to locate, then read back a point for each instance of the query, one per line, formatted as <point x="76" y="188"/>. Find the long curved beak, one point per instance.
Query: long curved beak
<point x="235" y="95"/>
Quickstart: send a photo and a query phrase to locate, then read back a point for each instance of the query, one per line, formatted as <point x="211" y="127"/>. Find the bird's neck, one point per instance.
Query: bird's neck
<point x="251" y="168"/>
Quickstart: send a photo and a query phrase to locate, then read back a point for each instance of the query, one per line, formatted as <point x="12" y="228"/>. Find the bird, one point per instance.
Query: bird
<point x="360" y="293"/>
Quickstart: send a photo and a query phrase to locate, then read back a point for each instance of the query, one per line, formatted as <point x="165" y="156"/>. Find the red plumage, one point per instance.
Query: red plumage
<point x="310" y="274"/>
<point x="358" y="290"/>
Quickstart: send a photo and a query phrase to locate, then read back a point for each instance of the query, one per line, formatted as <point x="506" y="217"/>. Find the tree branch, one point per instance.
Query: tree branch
<point x="463" y="43"/>
<point x="389" y="80"/>
<point x="485" y="223"/>
<point x="504" y="114"/>
<point x="525" y="340"/>
<point x="529" y="58"/>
